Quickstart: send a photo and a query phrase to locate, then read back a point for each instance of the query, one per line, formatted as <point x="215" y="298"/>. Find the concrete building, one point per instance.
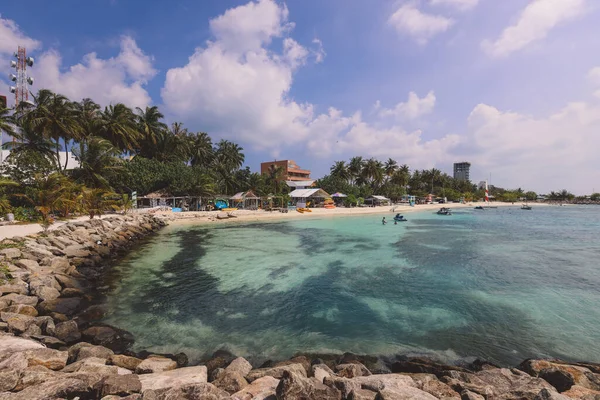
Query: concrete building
<point x="291" y="170"/>
<point x="461" y="171"/>
<point x="71" y="164"/>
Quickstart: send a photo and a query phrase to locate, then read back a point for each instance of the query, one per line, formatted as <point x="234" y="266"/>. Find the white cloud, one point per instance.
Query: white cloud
<point x="409" y="20"/>
<point x="113" y="80"/>
<point x="319" y="52"/>
<point x="462" y="5"/>
<point x="534" y="24"/>
<point x="414" y="108"/>
<point x="594" y="76"/>
<point x="11" y="37"/>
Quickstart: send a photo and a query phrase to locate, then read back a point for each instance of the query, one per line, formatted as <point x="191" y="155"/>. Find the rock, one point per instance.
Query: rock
<point x="72" y="292"/>
<point x="33" y="330"/>
<point x="11" y="253"/>
<point x="468" y="395"/>
<point x="361" y="394"/>
<point x="47" y="324"/>
<point x="29" y="265"/>
<point x="155" y="364"/>
<point x="68" y="331"/>
<point x="561" y="375"/>
<point x="260" y="389"/>
<point x="36" y="375"/>
<point x="113" y="338"/>
<point x="344" y="385"/>
<point x="76" y="251"/>
<point x="46" y="293"/>
<point x="92" y="313"/>
<point x="49" y="341"/>
<point x="303" y="360"/>
<point x="230" y="381"/>
<point x="10" y="344"/>
<point x="49" y="358"/>
<point x="3" y="327"/>
<point x="177" y="377"/>
<point x="23" y="309"/>
<point x="123" y="361"/>
<point x="239" y="365"/>
<point x="60" y="265"/>
<point x="499" y="383"/>
<point x="180" y="358"/>
<point x="14" y="298"/>
<point x="579" y="392"/>
<point x="376" y="383"/>
<point x="134" y="396"/>
<point x="68" y="281"/>
<point x="216" y="374"/>
<point x="68" y="306"/>
<point x="15" y="286"/>
<point x="215" y="363"/>
<point x="423" y="365"/>
<point x="352" y="370"/>
<point x="200" y="391"/>
<point x="404" y="393"/>
<point x="430" y="384"/>
<point x="295" y="385"/>
<point x="74" y="350"/>
<point x="54" y="389"/>
<point x="10" y="371"/>
<point x="121" y="385"/>
<point x="17" y="323"/>
<point x="276" y="372"/>
<point x="321" y="371"/>
<point x="94" y="351"/>
<point x="8" y="379"/>
<point x="544" y="394"/>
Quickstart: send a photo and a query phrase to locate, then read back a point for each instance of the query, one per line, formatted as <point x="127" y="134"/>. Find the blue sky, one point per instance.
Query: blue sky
<point x="511" y="85"/>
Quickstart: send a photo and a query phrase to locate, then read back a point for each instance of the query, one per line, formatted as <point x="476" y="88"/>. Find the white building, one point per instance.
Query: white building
<point x="71" y="164"/>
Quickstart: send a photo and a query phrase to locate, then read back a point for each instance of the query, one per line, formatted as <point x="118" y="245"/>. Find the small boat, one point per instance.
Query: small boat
<point x="444" y="211"/>
<point x="479" y="208"/>
<point x="300" y="210"/>
<point x="400" y="218"/>
<point x="525" y="207"/>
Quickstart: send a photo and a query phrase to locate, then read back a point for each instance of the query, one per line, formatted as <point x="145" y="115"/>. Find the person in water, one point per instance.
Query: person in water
<point x="383" y="221"/>
<point x="395" y="222"/>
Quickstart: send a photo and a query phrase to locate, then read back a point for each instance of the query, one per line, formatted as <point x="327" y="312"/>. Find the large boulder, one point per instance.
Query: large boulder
<point x="10" y="344"/>
<point x="429" y="383"/>
<point x="423" y="365"/>
<point x="14" y="298"/>
<point x="94" y="351"/>
<point x="321" y="371"/>
<point x="46" y="292"/>
<point x="68" y="331"/>
<point x="261" y="389"/>
<point x="35" y="375"/>
<point x="124" y="361"/>
<point x="387" y="381"/>
<point x="276" y="372"/>
<point x="177" y="377"/>
<point x="118" y="340"/>
<point x="54" y="389"/>
<point x="239" y="365"/>
<point x="562" y="375"/>
<point x="15" y="286"/>
<point x="230" y="381"/>
<point x="294" y="385"/>
<point x="10" y="371"/>
<point x="344" y="385"/>
<point x="121" y="385"/>
<point x="22" y="309"/>
<point x="29" y="265"/>
<point x="49" y="358"/>
<point x="155" y="364"/>
<point x="68" y="306"/>
<point x="9" y="378"/>
<point x="579" y="392"/>
<point x="352" y="370"/>
<point x="11" y="253"/>
<point x="501" y="383"/>
<point x="199" y="391"/>
<point x="404" y="393"/>
<point x="17" y="323"/>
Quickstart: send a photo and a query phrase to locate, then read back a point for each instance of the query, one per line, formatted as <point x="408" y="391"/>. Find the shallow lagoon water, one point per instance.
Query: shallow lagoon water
<point x="503" y="284"/>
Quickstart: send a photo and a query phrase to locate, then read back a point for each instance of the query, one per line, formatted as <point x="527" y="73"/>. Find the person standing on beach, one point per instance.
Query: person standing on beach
<point x="383" y="221"/>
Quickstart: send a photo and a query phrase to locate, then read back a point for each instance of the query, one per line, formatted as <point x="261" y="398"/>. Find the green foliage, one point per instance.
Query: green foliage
<point x="531" y="196"/>
<point x="351" y="201"/>
<point x="5" y="275"/>
<point x="26" y="214"/>
<point x="595" y="197"/>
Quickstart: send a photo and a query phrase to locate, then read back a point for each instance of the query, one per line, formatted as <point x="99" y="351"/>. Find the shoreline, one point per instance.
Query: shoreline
<point x="53" y="345"/>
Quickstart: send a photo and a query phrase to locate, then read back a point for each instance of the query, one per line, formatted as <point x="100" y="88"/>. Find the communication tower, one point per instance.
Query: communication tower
<point x="20" y="79"/>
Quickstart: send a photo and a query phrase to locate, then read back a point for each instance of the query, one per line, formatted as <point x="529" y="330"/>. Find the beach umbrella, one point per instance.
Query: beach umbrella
<point x="338" y="194"/>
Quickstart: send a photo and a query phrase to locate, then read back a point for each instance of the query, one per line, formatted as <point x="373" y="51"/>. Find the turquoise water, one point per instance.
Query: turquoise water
<point x="503" y="284"/>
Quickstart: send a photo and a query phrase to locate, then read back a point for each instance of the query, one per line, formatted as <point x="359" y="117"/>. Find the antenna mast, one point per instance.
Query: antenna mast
<point x="21" y="80"/>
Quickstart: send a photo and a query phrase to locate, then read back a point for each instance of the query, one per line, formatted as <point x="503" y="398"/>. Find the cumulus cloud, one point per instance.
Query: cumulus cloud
<point x="11" y="37"/>
<point x="413" y="108"/>
<point x="461" y="5"/>
<point x="409" y="20"/>
<point x="115" y="80"/>
<point x="534" y="23"/>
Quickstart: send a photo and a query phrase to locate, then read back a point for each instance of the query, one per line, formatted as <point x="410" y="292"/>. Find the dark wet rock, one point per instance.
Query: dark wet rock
<point x="74" y="350"/>
<point x="230" y="381"/>
<point x="72" y="292"/>
<point x="123" y="361"/>
<point x="49" y="341"/>
<point x="560" y="379"/>
<point x="480" y="365"/>
<point x="68" y="331"/>
<point x="92" y="313"/>
<point x="276" y="372"/>
<point x="121" y="385"/>
<point x="155" y="364"/>
<point x="561" y="375"/>
<point x="68" y="306"/>
<point x="216" y="374"/>
<point x="423" y="365"/>
<point x="294" y="385"/>
<point x="47" y="324"/>
<point x="118" y="340"/>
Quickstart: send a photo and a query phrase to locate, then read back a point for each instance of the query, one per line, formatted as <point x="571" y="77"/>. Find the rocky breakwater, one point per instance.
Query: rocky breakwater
<point x="52" y="347"/>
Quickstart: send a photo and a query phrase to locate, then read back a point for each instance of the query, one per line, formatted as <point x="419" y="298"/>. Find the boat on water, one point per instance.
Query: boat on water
<point x="400" y="218"/>
<point x="525" y="207"/>
<point x="444" y="211"/>
<point x="479" y="208"/>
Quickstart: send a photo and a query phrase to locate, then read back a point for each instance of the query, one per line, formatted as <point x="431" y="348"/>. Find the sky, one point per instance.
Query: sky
<point x="511" y="86"/>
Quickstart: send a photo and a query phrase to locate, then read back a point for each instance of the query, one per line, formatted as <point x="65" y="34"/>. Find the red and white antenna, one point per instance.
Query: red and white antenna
<point x="487" y="197"/>
<point x="20" y="79"/>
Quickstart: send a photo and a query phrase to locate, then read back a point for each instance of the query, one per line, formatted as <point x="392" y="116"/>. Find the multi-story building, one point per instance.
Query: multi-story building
<point x="461" y="171"/>
<point x="291" y="170"/>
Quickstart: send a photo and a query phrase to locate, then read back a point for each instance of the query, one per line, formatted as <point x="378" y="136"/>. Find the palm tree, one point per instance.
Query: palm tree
<point x="46" y="194"/>
<point x="229" y="155"/>
<point x="118" y="126"/>
<point x="28" y="140"/>
<point x="372" y="172"/>
<point x="151" y="128"/>
<point x="54" y="117"/>
<point x="98" y="160"/>
<point x="355" y="167"/>
<point x="200" y="149"/>
<point x="340" y="170"/>
<point x="390" y="168"/>
<point x="7" y="122"/>
<point x="275" y="176"/>
<point x="97" y="201"/>
<point x="88" y="116"/>
<point x="434" y="173"/>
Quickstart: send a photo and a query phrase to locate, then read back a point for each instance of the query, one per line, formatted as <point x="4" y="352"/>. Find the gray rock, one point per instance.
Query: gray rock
<point x="11" y="253"/>
<point x="47" y="324"/>
<point x="115" y="339"/>
<point x="155" y="364"/>
<point x="49" y="358"/>
<point x="177" y="377"/>
<point x="74" y="350"/>
<point x="294" y="385"/>
<point x="392" y="382"/>
<point x="68" y="331"/>
<point x="276" y="372"/>
<point x="121" y="385"/>
<point x="204" y="391"/>
<point x="261" y="389"/>
<point x="76" y="251"/>
<point x="15" y="286"/>
<point x="468" y="395"/>
<point x="352" y="370"/>
<point x="429" y="383"/>
<point x="29" y="265"/>
<point x="31" y="376"/>
<point x="61" y="265"/>
<point x="544" y="394"/>
<point x="404" y="393"/>
<point x="14" y="298"/>
<point x="239" y="365"/>
<point x="49" y="341"/>
<point x="17" y="323"/>
<point x="10" y="344"/>
<point x="22" y="309"/>
<point x="46" y="293"/>
<point x="230" y="381"/>
<point x="8" y="379"/>
<point x="344" y="385"/>
<point x="54" y="389"/>
<point x="3" y="327"/>
<point x="94" y="351"/>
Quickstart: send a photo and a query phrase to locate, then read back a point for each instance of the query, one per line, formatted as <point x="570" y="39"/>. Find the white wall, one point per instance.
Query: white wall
<point x="73" y="163"/>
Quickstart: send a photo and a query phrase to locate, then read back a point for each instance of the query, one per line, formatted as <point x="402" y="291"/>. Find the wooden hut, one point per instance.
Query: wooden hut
<point x="245" y="200"/>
